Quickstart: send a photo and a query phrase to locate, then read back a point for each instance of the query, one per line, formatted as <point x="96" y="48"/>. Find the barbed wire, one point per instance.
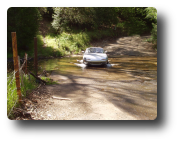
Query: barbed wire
<point x="23" y="78"/>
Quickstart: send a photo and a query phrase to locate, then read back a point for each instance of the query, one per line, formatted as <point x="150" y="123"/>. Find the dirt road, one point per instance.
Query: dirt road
<point x="124" y="90"/>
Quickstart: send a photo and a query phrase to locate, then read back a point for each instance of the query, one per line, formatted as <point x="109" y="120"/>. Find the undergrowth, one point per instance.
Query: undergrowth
<point x="53" y="44"/>
<point x="48" y="80"/>
<point x="29" y="84"/>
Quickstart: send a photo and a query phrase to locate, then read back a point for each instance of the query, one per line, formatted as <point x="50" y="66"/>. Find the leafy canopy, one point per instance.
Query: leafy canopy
<point x="87" y="17"/>
<point x="152" y="15"/>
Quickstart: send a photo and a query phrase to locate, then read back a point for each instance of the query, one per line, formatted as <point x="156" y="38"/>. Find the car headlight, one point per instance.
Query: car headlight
<point x="105" y="59"/>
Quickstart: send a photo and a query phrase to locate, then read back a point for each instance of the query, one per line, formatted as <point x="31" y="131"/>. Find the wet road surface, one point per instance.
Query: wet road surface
<point x="125" y="89"/>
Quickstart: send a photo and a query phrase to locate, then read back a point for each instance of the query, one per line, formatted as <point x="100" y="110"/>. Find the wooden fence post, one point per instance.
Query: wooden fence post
<point x="35" y="55"/>
<point x="16" y="67"/>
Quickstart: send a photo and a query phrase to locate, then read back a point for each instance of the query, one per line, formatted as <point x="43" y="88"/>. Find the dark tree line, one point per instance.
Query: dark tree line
<point x="25" y="20"/>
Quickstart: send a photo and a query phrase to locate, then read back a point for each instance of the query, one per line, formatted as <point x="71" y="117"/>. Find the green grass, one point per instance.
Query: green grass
<point x="71" y="43"/>
<point x="66" y="44"/>
<point x="58" y="45"/>
<point x="76" y="40"/>
<point x="48" y="80"/>
<point x="29" y="84"/>
<point x="12" y="98"/>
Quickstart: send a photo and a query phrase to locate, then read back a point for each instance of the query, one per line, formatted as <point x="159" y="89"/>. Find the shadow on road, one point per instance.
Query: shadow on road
<point x="126" y="87"/>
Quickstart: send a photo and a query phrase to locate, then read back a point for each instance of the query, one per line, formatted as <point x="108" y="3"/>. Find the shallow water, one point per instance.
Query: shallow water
<point x="127" y="82"/>
<point x="122" y="68"/>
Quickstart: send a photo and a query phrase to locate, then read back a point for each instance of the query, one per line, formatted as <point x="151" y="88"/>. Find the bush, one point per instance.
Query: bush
<point x="65" y="19"/>
<point x="152" y="15"/>
<point x="154" y="33"/>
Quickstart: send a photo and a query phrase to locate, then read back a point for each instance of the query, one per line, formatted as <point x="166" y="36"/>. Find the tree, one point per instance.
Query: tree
<point x="46" y="12"/>
<point x="105" y="16"/>
<point x="134" y="18"/>
<point x="24" y="21"/>
<point x="84" y="17"/>
<point x="152" y="15"/>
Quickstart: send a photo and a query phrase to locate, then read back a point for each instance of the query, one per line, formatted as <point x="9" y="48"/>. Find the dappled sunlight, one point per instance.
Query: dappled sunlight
<point x="124" y="87"/>
<point x="127" y="82"/>
<point x="123" y="68"/>
<point x="130" y="46"/>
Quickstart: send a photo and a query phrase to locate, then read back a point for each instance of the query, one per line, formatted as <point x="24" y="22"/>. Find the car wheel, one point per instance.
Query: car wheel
<point x="84" y="61"/>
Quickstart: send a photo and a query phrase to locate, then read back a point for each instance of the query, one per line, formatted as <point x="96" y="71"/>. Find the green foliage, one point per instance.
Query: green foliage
<point x="48" y="80"/>
<point x="43" y="10"/>
<point x="24" y="21"/>
<point x="154" y="33"/>
<point x="133" y="20"/>
<point x="12" y="97"/>
<point x="83" y="17"/>
<point x="11" y="92"/>
<point x="29" y="83"/>
<point x="126" y="13"/>
<point x="67" y="44"/>
<point x="105" y="16"/>
<point x="152" y="15"/>
<point x="73" y="28"/>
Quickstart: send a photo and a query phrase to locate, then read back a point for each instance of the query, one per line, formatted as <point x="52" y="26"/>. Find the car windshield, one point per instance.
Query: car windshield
<point x="95" y="50"/>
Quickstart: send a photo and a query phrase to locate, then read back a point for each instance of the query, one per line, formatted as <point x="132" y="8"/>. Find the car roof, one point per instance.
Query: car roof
<point x="95" y="47"/>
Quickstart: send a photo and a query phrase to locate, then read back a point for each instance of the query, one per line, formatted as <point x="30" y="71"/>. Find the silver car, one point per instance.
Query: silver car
<point x="95" y="56"/>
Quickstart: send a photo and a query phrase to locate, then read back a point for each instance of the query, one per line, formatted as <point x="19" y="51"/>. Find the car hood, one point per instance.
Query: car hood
<point x="94" y="56"/>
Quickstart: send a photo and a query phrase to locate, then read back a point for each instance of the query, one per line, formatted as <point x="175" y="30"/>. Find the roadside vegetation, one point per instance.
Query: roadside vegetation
<point x="63" y="31"/>
<point x="48" y="80"/>
<point x="29" y="84"/>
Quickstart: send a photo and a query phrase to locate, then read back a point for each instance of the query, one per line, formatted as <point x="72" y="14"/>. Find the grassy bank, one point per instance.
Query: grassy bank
<point x="29" y="84"/>
<point x="11" y="93"/>
<point x="69" y="43"/>
<point x="76" y="40"/>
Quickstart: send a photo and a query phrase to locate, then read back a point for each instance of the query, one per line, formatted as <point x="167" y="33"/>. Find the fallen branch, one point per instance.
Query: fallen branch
<point x="36" y="77"/>
<point x="54" y="97"/>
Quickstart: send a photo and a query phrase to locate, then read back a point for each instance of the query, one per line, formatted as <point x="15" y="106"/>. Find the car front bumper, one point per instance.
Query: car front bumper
<point x="95" y="62"/>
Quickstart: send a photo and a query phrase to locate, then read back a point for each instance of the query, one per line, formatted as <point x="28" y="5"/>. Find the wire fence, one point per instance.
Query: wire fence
<point x="27" y="84"/>
<point x="21" y="81"/>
